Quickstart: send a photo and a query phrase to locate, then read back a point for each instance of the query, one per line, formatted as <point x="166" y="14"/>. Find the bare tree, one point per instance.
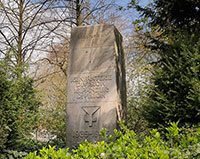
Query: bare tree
<point x="28" y="27"/>
<point x="86" y="11"/>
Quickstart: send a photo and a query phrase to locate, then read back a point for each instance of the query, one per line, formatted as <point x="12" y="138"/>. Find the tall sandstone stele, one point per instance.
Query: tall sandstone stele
<point x="96" y="91"/>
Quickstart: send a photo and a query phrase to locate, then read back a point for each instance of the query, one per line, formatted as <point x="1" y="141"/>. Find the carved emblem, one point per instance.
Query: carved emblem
<point x="90" y="114"/>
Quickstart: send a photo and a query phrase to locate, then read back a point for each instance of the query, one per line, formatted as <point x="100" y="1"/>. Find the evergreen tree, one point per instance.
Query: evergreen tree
<point x="172" y="13"/>
<point x="3" y="125"/>
<point x="18" y="106"/>
<point x="175" y="91"/>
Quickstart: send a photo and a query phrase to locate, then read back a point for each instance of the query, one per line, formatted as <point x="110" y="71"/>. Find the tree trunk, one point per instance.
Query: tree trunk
<point x="78" y="13"/>
<point x="19" y="51"/>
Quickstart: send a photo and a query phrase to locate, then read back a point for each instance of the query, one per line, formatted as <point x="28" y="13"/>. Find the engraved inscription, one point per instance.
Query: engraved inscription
<point x="89" y="36"/>
<point x="86" y="134"/>
<point x="91" y="87"/>
<point x="89" y="116"/>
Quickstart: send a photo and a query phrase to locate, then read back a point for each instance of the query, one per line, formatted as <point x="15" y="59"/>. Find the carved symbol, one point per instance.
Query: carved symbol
<point x="89" y="116"/>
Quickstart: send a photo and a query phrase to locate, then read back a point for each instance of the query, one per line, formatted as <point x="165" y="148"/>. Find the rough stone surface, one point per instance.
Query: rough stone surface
<point x="96" y="92"/>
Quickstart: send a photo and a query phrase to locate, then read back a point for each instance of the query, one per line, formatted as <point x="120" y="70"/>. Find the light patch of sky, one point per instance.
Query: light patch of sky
<point x="143" y="3"/>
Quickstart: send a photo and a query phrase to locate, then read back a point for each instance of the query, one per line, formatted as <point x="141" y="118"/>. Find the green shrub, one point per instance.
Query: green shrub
<point x="24" y="147"/>
<point x="30" y="145"/>
<point x="175" y="143"/>
<point x="11" y="154"/>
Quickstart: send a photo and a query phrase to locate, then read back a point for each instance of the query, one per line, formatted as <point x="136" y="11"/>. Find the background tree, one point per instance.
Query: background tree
<point x="4" y="130"/>
<point x="27" y="30"/>
<point x="52" y="85"/>
<point x="18" y="106"/>
<point x="28" y="27"/>
<point x="139" y="72"/>
<point x="82" y="12"/>
<point x="173" y="13"/>
<point x="174" y="95"/>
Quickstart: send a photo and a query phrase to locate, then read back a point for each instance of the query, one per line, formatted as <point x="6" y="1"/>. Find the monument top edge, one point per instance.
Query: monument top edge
<point x="82" y="26"/>
<point x="94" y="29"/>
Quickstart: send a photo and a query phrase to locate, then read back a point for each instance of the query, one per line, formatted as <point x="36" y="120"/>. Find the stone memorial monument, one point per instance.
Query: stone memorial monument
<point x="96" y="91"/>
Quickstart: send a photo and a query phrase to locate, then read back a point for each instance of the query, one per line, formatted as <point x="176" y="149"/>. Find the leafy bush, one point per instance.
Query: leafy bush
<point x="30" y="145"/>
<point x="11" y="154"/>
<point x="178" y="143"/>
<point x="24" y="147"/>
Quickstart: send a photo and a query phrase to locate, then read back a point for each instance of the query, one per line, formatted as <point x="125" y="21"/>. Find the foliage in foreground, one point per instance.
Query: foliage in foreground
<point x="178" y="143"/>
